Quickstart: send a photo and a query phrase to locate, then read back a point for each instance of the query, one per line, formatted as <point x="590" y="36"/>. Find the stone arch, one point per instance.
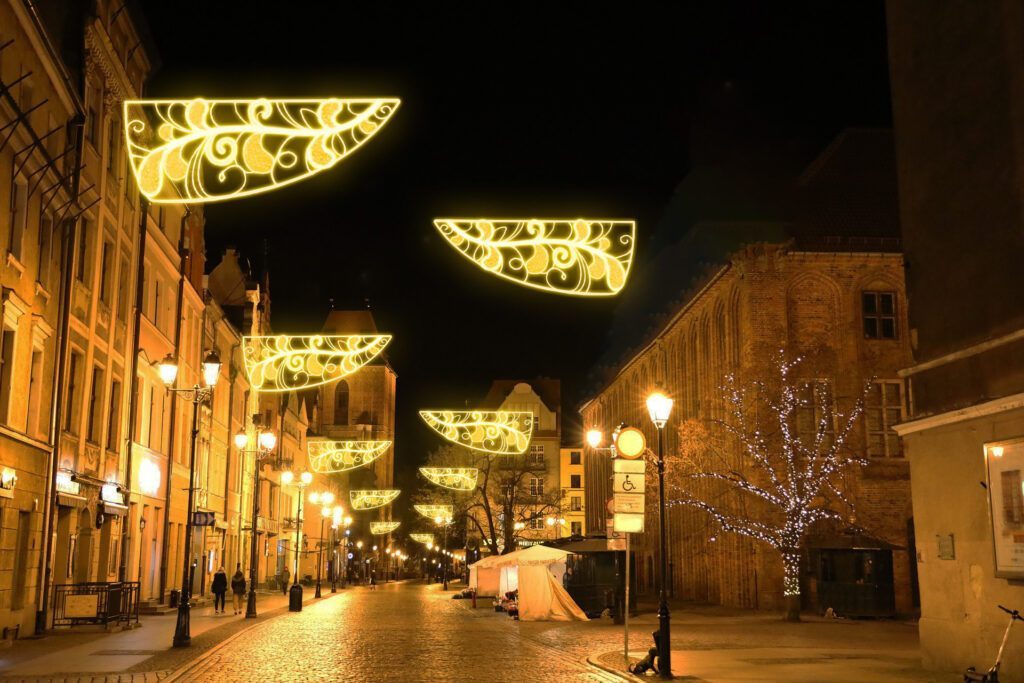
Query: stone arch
<point x="812" y="312"/>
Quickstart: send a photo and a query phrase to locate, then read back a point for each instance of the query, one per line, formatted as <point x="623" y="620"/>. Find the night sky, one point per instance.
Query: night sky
<point x="548" y="109"/>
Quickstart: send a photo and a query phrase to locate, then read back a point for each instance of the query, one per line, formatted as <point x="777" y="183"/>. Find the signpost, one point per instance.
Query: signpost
<point x="203" y="518"/>
<point x="628" y="509"/>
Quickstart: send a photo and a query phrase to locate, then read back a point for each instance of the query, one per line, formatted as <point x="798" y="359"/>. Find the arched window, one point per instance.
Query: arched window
<point x="341" y="403"/>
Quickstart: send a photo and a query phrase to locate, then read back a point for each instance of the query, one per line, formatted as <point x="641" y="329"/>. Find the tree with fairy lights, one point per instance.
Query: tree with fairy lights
<point x="770" y="464"/>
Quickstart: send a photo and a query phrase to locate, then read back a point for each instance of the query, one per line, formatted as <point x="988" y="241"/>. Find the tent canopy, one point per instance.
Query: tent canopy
<point x="534" y="555"/>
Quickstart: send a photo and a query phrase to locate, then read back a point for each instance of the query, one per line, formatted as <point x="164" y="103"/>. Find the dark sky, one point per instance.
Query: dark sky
<point x="513" y="109"/>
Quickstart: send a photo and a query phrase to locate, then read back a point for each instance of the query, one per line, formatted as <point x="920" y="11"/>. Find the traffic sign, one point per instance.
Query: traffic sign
<point x="629" y="503"/>
<point x="628" y="483"/>
<point x="630" y="443"/>
<point x="630" y="523"/>
<point x="203" y="518"/>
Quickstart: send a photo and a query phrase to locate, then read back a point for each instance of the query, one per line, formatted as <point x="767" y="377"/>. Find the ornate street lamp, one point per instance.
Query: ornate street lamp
<point x="445" y="522"/>
<point x="198" y="394"/>
<point x="265" y="443"/>
<point x="304" y="480"/>
<point x="659" y="406"/>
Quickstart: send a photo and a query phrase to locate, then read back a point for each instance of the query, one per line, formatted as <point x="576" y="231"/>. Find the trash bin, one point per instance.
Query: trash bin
<point x="173" y="601"/>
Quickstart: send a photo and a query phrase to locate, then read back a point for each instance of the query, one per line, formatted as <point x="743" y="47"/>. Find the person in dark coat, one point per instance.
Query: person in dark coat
<point x="285" y="577"/>
<point x="238" y="588"/>
<point x="220" y="589"/>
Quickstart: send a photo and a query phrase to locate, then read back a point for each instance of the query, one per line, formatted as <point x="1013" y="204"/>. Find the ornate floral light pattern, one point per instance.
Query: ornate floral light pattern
<point x="500" y="431"/>
<point x="422" y="538"/>
<point x="383" y="528"/>
<point x="582" y="257"/>
<point x="457" y="478"/>
<point x="327" y="456"/>
<point x="286" y="363"/>
<point x="368" y="499"/>
<point x="202" y="150"/>
<point x="433" y="511"/>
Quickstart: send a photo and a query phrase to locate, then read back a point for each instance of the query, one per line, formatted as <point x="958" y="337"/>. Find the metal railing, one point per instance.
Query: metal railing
<point x="75" y="604"/>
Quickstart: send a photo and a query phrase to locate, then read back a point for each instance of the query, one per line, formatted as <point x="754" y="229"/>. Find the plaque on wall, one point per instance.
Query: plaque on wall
<point x="1005" y="469"/>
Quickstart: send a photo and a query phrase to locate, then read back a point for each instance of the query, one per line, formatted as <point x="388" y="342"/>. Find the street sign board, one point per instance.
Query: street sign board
<point x="203" y="518"/>
<point x="630" y="443"/>
<point x="630" y="466"/>
<point x="628" y="483"/>
<point x="629" y="502"/>
<point x="629" y="523"/>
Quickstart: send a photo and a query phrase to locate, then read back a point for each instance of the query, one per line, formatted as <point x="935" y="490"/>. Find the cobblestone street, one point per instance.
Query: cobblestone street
<point x="400" y="632"/>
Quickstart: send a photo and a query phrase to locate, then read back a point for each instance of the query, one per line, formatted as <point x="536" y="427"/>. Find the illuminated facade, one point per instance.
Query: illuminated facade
<point x="582" y="257"/>
<point x="203" y="150"/>
<point x="574" y="499"/>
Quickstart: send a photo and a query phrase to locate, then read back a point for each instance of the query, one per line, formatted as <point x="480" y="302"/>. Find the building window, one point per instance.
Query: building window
<point x="19" y="216"/>
<point x="114" y="416"/>
<point x="536" y="456"/>
<point x="576" y="503"/>
<point x="576" y="528"/>
<point x="82" y="255"/>
<point x="45" y="250"/>
<point x="879" y="312"/>
<point x="106" y="272"/>
<point x="574" y="458"/>
<point x="341" y="403"/>
<point x="815" y="405"/>
<point x="122" y="291"/>
<point x="536" y="486"/>
<point x="574" y="481"/>
<point x="74" y="382"/>
<point x="112" y="146"/>
<point x="35" y="391"/>
<point x="536" y="522"/>
<point x="883" y="408"/>
<point x="6" y="372"/>
<point x="95" y="406"/>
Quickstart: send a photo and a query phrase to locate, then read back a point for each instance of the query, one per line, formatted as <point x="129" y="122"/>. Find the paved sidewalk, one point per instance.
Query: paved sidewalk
<point x="713" y="644"/>
<point x="140" y="654"/>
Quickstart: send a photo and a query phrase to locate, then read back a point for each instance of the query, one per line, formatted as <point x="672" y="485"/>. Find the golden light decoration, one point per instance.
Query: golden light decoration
<point x="498" y="431"/>
<point x="368" y="499"/>
<point x="456" y="478"/>
<point x="582" y="257"/>
<point x="199" y="150"/>
<point x="285" y="363"/>
<point x="327" y="456"/>
<point x="422" y="538"/>
<point x="433" y="511"/>
<point x="383" y="528"/>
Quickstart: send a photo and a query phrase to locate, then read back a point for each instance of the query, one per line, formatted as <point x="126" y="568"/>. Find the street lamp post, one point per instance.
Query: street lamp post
<point x="660" y="407"/>
<point x="304" y="480"/>
<point x="265" y="443"/>
<point x="324" y="499"/>
<point x="198" y="394"/>
<point x="335" y="523"/>
<point x="446" y="522"/>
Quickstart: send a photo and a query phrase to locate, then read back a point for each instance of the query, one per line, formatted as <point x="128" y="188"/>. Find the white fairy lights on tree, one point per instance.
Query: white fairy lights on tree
<point x="782" y="449"/>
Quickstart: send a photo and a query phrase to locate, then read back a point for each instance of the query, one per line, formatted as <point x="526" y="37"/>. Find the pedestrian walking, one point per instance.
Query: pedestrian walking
<point x="373" y="582"/>
<point x="285" y="575"/>
<point x="220" y="589"/>
<point x="238" y="588"/>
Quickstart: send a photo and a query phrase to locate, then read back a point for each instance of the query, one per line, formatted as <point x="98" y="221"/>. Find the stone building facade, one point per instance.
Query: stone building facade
<point x="768" y="297"/>
<point x="957" y="75"/>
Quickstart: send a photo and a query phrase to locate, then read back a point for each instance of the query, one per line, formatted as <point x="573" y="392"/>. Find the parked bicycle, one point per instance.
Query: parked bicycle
<point x="992" y="675"/>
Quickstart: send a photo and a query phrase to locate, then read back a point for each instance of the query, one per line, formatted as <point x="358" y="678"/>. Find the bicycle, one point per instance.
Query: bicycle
<point x="992" y="675"/>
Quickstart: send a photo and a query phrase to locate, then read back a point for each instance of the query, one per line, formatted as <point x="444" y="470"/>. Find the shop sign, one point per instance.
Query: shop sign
<point x="109" y="493"/>
<point x="66" y="485"/>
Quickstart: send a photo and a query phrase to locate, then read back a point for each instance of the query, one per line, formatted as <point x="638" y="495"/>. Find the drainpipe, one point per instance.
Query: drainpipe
<point x="183" y="255"/>
<point x="133" y="404"/>
<point x="69" y="233"/>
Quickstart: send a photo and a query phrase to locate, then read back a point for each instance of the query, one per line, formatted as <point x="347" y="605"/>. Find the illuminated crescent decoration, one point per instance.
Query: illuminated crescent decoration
<point x="457" y="478"/>
<point x="433" y="511"/>
<point x="422" y="538"/>
<point x="582" y="257"/>
<point x="501" y="431"/>
<point x="368" y="499"/>
<point x="383" y="528"/>
<point x="286" y="363"/>
<point x="327" y="457"/>
<point x="202" y="150"/>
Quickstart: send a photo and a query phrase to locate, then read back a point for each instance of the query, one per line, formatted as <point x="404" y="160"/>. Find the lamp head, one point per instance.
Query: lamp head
<point x="659" y="405"/>
<point x="241" y="440"/>
<point x="267" y="440"/>
<point x="594" y="438"/>
<point x="168" y="369"/>
<point x="306" y="478"/>
<point x="211" y="369"/>
<point x="327" y="497"/>
<point x="287" y="477"/>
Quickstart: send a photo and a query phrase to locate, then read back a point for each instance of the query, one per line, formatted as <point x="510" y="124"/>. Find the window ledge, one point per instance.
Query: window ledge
<point x="13" y="262"/>
<point x="42" y="291"/>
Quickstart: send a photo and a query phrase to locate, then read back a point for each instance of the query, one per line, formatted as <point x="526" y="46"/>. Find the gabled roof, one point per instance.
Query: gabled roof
<point x="548" y="389"/>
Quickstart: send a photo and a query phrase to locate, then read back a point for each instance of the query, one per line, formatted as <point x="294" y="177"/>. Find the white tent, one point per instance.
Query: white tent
<point x="484" y="578"/>
<point x="536" y="572"/>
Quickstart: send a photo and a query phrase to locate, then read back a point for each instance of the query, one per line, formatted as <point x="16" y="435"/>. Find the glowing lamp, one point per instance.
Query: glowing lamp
<point x="996" y="451"/>
<point x="267" y="440"/>
<point x="241" y="440"/>
<point x="359" y="544"/>
<point x="327" y="498"/>
<point x="306" y="478"/>
<point x="551" y="521"/>
<point x="149" y="477"/>
<point x="287" y="477"/>
<point x="348" y="522"/>
<point x="660" y="407"/>
<point x="326" y="512"/>
<point x="314" y="498"/>
<point x="594" y="438"/>
<point x="374" y="548"/>
<point x="211" y="369"/>
<point x="168" y="370"/>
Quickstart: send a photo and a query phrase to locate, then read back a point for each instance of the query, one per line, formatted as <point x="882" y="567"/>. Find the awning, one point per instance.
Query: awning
<point x="69" y="500"/>
<point x="114" y="510"/>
